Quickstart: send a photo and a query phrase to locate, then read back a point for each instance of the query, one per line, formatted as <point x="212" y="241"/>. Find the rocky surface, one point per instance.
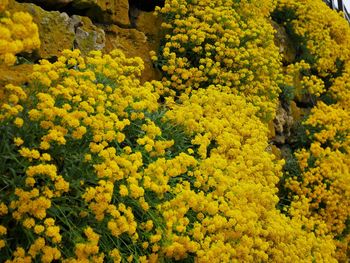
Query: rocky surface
<point x="133" y="43"/>
<point x="286" y="130"/>
<point x="48" y="4"/>
<point x="282" y="124"/>
<point x="90" y="25"/>
<point x="109" y="24"/>
<point x="137" y="41"/>
<point x="284" y="43"/>
<point x="15" y="75"/>
<point x="58" y="31"/>
<point x="104" y="11"/>
<point x="87" y="36"/>
<point x="54" y="28"/>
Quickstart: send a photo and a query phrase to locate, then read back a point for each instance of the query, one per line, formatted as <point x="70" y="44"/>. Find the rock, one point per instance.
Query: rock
<point x="106" y="11"/>
<point x="133" y="43"/>
<point x="273" y="149"/>
<point x="54" y="29"/>
<point x="283" y="124"/>
<point x="150" y="25"/>
<point x="16" y="75"/>
<point x="276" y="151"/>
<point x="286" y="152"/>
<point x="50" y="4"/>
<point x="284" y="43"/>
<point x="58" y="31"/>
<point x="134" y="13"/>
<point x="296" y="112"/>
<point x="272" y="131"/>
<point x="87" y="36"/>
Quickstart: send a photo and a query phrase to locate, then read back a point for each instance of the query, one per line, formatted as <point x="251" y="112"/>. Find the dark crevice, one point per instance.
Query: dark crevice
<point x="306" y="104"/>
<point x="136" y="6"/>
<point x="67" y="8"/>
<point x="44" y="5"/>
<point x="94" y="12"/>
<point x="146" y="5"/>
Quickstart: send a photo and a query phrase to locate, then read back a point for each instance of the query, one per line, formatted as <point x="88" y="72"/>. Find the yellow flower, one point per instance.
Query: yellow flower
<point x="91" y="235"/>
<point x="49" y="221"/>
<point x="50" y="254"/>
<point x="123" y="190"/>
<point x="3" y="230"/>
<point x="18" y="141"/>
<point x="36" y="247"/>
<point x="18" y="122"/>
<point x="29" y="222"/>
<point x="3" y="209"/>
<point x="2" y="243"/>
<point x="115" y="255"/>
<point x="39" y="229"/>
<point x="18" y="34"/>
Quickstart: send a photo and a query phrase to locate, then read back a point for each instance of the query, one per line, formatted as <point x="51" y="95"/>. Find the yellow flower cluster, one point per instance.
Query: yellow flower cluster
<point x="3" y="230"/>
<point x="320" y="196"/>
<point x="324" y="33"/>
<point x="240" y="177"/>
<point x="94" y="169"/>
<point x="11" y="99"/>
<point x="97" y="171"/>
<point x="325" y="175"/>
<point x="87" y="103"/>
<point x="18" y="34"/>
<point x="221" y="42"/>
<point x="299" y="76"/>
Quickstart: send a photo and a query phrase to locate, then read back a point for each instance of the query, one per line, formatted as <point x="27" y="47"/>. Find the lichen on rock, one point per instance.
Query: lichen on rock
<point x="284" y="43"/>
<point x="111" y="11"/>
<point x="88" y="37"/>
<point x="59" y="31"/>
<point x="282" y="124"/>
<point x="133" y="43"/>
<point x="54" y="30"/>
<point x="15" y="75"/>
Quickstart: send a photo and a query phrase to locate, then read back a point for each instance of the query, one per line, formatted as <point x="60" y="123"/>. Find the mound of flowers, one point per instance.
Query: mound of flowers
<point x="221" y="42"/>
<point x="74" y="143"/>
<point x="319" y="190"/>
<point x="97" y="167"/>
<point x="94" y="169"/>
<point x="18" y="34"/>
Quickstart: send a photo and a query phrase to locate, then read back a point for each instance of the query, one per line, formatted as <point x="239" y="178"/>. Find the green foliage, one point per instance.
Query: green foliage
<point x="287" y="93"/>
